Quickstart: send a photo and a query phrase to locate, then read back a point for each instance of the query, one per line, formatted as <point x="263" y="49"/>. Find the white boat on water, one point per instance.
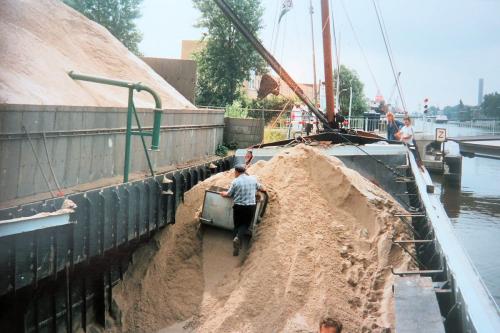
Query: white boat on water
<point x="441" y="119"/>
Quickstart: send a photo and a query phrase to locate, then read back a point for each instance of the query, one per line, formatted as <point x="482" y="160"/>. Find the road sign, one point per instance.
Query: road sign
<point x="440" y="134"/>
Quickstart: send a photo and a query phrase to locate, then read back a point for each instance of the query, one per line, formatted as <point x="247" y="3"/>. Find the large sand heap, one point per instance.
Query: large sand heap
<point x="323" y="248"/>
<point x="41" y="40"/>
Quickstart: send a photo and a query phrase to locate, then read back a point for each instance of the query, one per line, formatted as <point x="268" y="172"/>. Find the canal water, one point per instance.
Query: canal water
<point x="474" y="208"/>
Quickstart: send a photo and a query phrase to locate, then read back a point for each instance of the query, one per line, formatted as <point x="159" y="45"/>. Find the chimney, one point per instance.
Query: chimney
<point x="480" y="92"/>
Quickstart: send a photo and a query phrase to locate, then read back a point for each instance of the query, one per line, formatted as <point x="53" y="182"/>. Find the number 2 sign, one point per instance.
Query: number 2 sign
<point x="440" y="134"/>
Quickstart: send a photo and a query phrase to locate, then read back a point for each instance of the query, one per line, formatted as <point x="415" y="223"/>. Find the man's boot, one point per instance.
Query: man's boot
<point x="236" y="246"/>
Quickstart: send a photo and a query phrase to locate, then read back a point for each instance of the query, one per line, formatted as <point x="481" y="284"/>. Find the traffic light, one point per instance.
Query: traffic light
<point x="426" y="105"/>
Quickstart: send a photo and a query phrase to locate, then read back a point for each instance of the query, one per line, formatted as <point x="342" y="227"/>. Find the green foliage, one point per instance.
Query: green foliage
<point x="273" y="135"/>
<point x="359" y="104"/>
<point x="433" y="111"/>
<point x="491" y="105"/>
<point x="221" y="150"/>
<point x="231" y="145"/>
<point x="271" y="102"/>
<point x="236" y="110"/>
<point x="115" y="15"/>
<point x="458" y="112"/>
<point x="227" y="59"/>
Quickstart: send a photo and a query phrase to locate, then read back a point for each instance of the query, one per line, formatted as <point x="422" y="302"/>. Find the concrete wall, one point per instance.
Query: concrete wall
<point x="181" y="74"/>
<point x="86" y="144"/>
<point x="244" y="132"/>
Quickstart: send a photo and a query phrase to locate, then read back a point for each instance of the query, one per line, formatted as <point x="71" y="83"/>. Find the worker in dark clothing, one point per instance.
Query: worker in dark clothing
<point x="243" y="190"/>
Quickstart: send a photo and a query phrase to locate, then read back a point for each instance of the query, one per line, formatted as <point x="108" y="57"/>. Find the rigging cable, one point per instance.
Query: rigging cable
<point x="275" y="25"/>
<point x="393" y="90"/>
<point x="360" y="46"/>
<point x="392" y="55"/>
<point x="385" y="38"/>
<point x="337" y="61"/>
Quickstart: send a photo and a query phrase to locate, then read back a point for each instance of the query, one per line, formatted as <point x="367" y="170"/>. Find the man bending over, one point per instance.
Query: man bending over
<point x="242" y="190"/>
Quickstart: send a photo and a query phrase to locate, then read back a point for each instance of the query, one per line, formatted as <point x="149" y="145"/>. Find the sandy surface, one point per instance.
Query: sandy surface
<point x="323" y="248"/>
<point x="41" y="40"/>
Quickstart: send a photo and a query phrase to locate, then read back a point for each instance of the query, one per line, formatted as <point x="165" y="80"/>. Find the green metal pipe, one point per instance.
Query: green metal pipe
<point x="155" y="134"/>
<point x="155" y="141"/>
<point x="119" y="83"/>
<point x="128" y="135"/>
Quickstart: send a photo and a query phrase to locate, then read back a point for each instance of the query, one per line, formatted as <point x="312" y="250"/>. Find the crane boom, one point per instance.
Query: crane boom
<point x="269" y="58"/>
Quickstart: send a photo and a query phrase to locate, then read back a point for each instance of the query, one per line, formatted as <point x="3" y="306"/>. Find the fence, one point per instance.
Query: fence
<point x="488" y="126"/>
<point x="370" y="125"/>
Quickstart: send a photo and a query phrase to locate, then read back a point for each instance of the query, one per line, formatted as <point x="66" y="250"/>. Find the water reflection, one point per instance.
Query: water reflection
<point x="474" y="209"/>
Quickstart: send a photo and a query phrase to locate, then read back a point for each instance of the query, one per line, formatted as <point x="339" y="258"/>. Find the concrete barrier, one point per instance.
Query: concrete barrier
<point x="243" y="132"/>
<point x="86" y="144"/>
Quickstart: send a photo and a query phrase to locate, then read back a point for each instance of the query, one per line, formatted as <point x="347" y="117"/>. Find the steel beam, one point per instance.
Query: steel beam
<point x="32" y="223"/>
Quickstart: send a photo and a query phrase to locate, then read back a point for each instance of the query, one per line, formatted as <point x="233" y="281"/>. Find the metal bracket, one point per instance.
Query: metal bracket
<point x="418" y="272"/>
<point x="413" y="241"/>
<point x="410" y="215"/>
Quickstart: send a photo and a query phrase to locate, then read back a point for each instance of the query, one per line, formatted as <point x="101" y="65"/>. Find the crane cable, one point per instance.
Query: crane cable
<point x="387" y="47"/>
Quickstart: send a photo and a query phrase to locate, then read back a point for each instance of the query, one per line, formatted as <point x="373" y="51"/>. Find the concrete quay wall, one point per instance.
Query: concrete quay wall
<point x="85" y="144"/>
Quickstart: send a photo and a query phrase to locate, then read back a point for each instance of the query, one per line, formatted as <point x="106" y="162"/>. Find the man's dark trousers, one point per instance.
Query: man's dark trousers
<point x="242" y="216"/>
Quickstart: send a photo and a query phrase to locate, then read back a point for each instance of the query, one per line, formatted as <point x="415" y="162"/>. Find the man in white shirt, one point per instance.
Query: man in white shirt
<point x="408" y="138"/>
<point x="406" y="132"/>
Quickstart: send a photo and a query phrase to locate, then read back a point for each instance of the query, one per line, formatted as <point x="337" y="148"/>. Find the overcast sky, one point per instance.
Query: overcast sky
<point x="440" y="47"/>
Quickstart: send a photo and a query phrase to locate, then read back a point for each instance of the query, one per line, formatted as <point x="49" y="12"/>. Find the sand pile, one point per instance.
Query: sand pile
<point x="324" y="247"/>
<point x="41" y="40"/>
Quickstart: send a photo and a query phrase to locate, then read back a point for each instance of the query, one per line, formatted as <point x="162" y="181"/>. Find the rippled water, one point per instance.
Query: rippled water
<point x="474" y="210"/>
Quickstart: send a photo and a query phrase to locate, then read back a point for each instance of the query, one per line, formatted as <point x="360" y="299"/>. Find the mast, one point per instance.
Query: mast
<point x="327" y="55"/>
<point x="315" y="87"/>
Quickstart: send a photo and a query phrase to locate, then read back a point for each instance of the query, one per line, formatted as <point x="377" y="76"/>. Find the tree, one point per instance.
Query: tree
<point x="491" y="105"/>
<point x="271" y="102"/>
<point x="115" y="15"/>
<point x="349" y="77"/>
<point x="227" y="58"/>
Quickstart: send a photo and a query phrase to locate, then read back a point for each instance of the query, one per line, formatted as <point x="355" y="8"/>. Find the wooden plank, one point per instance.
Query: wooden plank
<point x="416" y="306"/>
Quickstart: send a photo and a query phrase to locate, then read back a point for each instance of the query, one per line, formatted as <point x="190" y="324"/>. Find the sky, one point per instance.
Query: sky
<point x="441" y="47"/>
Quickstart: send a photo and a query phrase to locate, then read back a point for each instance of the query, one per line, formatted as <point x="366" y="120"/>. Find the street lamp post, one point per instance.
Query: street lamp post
<point x="350" y="105"/>
<point x="350" y="102"/>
